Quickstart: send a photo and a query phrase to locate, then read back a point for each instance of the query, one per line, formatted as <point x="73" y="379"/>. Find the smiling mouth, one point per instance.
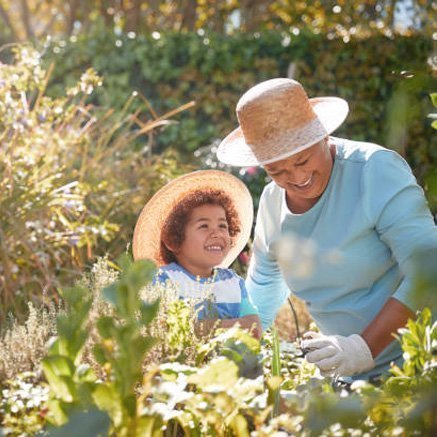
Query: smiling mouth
<point x="214" y="248"/>
<point x="304" y="185"/>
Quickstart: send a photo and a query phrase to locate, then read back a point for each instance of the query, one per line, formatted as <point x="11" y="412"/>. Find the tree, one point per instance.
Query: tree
<point x="29" y="19"/>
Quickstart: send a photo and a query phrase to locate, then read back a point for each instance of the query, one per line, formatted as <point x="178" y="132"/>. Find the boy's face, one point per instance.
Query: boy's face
<point x="206" y="241"/>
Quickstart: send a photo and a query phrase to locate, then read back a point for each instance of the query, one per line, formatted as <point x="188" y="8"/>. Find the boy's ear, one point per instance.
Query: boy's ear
<point x="171" y="247"/>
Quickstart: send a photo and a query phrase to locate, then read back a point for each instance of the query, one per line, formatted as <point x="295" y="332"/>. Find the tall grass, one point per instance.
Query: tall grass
<point x="73" y="177"/>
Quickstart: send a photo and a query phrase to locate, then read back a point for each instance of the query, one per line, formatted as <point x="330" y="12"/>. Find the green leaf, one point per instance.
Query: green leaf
<point x="239" y="426"/>
<point x="84" y="423"/>
<point x="276" y="354"/>
<point x="107" y="399"/>
<point x="62" y="387"/>
<point x="149" y="426"/>
<point x="124" y="261"/>
<point x="59" y="372"/>
<point x="57" y="416"/>
<point x="110" y="294"/>
<point x="148" y="311"/>
<point x="106" y="326"/>
<point x="99" y="354"/>
<point x="59" y="365"/>
<point x="85" y="373"/>
<point x="434" y="99"/>
<point x="220" y="375"/>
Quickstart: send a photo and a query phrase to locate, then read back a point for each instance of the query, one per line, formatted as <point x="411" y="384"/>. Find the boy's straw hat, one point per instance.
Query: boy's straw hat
<point x="147" y="234"/>
<point x="278" y="120"/>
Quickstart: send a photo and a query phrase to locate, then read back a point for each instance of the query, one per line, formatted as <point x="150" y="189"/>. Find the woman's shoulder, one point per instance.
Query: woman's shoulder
<point x="369" y="156"/>
<point x="271" y="194"/>
<point x="356" y="151"/>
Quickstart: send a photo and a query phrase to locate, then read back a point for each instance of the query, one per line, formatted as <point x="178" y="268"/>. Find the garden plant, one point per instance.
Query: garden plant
<point x="103" y="103"/>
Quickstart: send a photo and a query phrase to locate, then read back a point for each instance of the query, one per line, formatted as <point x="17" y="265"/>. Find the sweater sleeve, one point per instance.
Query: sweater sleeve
<point x="247" y="307"/>
<point x="265" y="283"/>
<point x="395" y="204"/>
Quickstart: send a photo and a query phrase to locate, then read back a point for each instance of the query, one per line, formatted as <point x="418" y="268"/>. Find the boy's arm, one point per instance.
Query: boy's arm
<point x="250" y="322"/>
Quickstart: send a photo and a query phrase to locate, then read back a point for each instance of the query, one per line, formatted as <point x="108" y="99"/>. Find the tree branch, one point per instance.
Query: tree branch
<point x="8" y="22"/>
<point x="25" y="15"/>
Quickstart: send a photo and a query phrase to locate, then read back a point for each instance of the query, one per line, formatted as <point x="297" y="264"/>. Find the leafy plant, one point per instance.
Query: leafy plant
<point x="121" y="352"/>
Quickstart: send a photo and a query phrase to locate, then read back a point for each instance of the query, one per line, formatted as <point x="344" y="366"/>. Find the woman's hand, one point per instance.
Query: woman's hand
<point x="336" y="355"/>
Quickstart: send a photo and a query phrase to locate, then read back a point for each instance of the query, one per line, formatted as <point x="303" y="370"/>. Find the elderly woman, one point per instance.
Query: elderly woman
<point x="338" y="226"/>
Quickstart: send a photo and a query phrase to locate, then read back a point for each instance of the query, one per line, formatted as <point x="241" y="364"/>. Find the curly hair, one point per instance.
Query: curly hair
<point x="173" y="230"/>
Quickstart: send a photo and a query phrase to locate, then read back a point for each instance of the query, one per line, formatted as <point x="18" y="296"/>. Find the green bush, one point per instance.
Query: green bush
<point x="234" y="386"/>
<point x="73" y="178"/>
<point x="386" y="81"/>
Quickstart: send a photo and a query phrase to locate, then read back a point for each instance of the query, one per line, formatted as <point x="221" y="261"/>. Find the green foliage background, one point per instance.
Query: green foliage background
<point x="387" y="81"/>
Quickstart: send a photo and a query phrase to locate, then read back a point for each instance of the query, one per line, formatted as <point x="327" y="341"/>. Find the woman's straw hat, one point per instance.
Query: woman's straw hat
<point x="278" y="120"/>
<point x="147" y="234"/>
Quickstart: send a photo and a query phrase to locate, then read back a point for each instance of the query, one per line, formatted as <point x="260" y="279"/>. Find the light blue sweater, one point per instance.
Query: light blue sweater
<point x="348" y="254"/>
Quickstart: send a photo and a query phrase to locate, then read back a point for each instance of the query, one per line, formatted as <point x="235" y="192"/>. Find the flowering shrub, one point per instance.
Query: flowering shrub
<point x="73" y="177"/>
<point x="24" y="345"/>
<point x="23" y="405"/>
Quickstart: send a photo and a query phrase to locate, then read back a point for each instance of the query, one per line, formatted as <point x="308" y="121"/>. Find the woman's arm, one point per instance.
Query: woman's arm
<point x="379" y="333"/>
<point x="264" y="282"/>
<point x="397" y="209"/>
<point x="405" y="224"/>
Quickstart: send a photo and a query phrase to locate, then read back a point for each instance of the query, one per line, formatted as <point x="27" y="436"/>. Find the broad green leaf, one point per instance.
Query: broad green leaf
<point x="99" y="354"/>
<point x="59" y="365"/>
<point x="85" y="373"/>
<point x="106" y="326"/>
<point x="107" y="399"/>
<point x="148" y="426"/>
<point x="62" y="387"/>
<point x="239" y="426"/>
<point x="148" y="311"/>
<point x="57" y="414"/>
<point x="85" y="423"/>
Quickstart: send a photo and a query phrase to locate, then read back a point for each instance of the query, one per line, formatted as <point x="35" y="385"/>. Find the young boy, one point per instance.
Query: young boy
<point x="193" y="229"/>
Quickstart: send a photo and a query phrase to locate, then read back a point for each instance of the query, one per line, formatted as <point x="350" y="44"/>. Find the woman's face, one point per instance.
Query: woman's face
<point x="303" y="176"/>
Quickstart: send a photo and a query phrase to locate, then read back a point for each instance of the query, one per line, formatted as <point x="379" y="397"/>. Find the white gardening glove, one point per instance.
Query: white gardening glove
<point x="336" y="355"/>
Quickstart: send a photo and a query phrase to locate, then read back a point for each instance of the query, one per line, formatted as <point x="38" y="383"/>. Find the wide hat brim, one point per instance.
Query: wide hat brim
<point x="147" y="234"/>
<point x="330" y="111"/>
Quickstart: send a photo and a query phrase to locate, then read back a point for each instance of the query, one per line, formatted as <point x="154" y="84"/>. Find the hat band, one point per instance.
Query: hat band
<point x="290" y="142"/>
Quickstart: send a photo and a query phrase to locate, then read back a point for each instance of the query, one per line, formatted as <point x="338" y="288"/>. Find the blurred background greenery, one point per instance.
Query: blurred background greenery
<point x="102" y="102"/>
